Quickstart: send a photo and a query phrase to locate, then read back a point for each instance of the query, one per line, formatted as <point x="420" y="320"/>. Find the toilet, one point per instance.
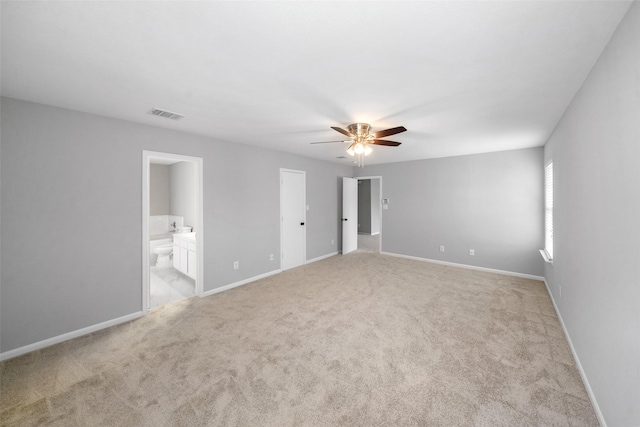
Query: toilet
<point x="164" y="255"/>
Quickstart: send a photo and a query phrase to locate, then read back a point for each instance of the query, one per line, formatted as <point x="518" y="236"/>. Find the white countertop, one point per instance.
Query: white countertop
<point x="191" y="237"/>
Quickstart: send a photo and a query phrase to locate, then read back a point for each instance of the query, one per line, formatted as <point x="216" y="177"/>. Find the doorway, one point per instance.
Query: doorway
<point x="362" y="214"/>
<point x="369" y="215"/>
<point x="172" y="228"/>
<point x="293" y="212"/>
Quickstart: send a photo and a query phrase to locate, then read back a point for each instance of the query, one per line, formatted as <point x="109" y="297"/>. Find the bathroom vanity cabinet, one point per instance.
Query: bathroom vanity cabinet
<point x="184" y="254"/>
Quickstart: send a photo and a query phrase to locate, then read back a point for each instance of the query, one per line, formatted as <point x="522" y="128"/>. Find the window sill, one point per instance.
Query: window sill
<point x="546" y="257"/>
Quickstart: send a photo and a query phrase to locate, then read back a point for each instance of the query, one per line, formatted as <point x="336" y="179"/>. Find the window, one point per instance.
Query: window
<point x="548" y="211"/>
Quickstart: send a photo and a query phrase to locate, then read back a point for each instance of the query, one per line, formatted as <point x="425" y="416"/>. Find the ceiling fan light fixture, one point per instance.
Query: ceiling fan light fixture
<point x="362" y="138"/>
<point x="360" y="147"/>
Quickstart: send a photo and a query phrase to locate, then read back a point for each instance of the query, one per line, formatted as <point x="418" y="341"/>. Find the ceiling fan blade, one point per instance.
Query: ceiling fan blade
<point x="383" y="142"/>
<point x="342" y="131"/>
<point x="324" y="142"/>
<point x="389" y="132"/>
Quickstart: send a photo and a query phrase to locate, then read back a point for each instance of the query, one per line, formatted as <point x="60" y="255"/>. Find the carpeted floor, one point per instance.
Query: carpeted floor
<point x="356" y="340"/>
<point x="368" y="243"/>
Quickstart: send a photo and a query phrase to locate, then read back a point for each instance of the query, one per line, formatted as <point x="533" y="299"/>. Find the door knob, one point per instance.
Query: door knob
<point x="302" y="223"/>
<point x="345" y="219"/>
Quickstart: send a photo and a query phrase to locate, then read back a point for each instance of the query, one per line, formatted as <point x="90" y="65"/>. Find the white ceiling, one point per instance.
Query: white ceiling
<point x="462" y="77"/>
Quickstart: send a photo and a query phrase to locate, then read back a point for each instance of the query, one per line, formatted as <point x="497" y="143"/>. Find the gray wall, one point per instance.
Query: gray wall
<point x="375" y="205"/>
<point x="364" y="206"/>
<point x="183" y="188"/>
<point x="71" y="249"/>
<point x="159" y="190"/>
<point x="492" y="203"/>
<point x="596" y="164"/>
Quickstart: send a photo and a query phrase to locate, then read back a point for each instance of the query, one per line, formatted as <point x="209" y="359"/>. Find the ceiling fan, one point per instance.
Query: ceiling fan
<point x="361" y="139"/>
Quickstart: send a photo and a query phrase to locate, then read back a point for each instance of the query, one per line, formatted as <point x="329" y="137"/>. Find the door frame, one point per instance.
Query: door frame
<point x="304" y="244"/>
<point x="147" y="156"/>
<point x="346" y="215"/>
<point x="379" y="202"/>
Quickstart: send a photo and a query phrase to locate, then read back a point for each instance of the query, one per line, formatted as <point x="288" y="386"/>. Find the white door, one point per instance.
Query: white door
<point x="349" y="215"/>
<point x="293" y="218"/>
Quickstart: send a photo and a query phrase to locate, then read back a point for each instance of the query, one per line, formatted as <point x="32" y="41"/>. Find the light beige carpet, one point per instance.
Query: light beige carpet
<point x="368" y="243"/>
<point x="355" y="340"/>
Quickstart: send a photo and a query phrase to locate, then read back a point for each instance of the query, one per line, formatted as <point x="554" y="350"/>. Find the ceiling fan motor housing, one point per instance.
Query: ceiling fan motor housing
<point x="359" y="129"/>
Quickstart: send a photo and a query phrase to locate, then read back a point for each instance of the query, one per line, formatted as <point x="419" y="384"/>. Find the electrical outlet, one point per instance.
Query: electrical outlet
<point x="472" y="252"/>
<point x="271" y="257"/>
<point x="333" y="241"/>
<point x="441" y="248"/>
<point x="236" y="265"/>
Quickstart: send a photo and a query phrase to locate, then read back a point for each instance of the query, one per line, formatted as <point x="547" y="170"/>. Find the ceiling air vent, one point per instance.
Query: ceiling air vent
<point x="166" y="114"/>
<point x="341" y="157"/>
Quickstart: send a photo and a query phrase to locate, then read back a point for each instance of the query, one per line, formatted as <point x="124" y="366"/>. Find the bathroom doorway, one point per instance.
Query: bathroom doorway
<point x="172" y="232"/>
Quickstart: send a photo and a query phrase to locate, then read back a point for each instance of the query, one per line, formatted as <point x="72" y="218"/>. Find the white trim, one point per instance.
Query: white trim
<point x="199" y="225"/>
<point x="146" y="179"/>
<point x="548" y="210"/>
<point x="545" y="256"/>
<point x="466" y="266"/>
<point x="368" y="177"/>
<point x="69" y="335"/>
<point x="320" y="258"/>
<point x="304" y="244"/>
<point x="240" y="283"/>
<point x="583" y="375"/>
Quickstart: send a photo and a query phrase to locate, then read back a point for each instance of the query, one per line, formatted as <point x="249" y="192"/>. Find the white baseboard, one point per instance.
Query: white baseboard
<point x="587" y="386"/>
<point x="69" y="335"/>
<point x="320" y="258"/>
<point x="261" y="276"/>
<point x="240" y="283"/>
<point x="84" y="331"/>
<point x="468" y="267"/>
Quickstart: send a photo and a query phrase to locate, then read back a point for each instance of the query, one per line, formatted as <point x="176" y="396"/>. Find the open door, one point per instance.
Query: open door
<point x="349" y="215"/>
